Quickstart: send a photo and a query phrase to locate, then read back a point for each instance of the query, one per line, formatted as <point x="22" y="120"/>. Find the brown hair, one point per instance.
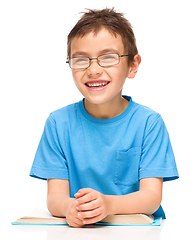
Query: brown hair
<point x="115" y="23"/>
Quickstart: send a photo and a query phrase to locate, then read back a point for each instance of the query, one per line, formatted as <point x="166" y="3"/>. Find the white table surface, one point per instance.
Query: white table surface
<point x="170" y="229"/>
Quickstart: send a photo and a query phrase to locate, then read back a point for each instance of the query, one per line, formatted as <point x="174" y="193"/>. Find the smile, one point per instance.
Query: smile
<point x="96" y="84"/>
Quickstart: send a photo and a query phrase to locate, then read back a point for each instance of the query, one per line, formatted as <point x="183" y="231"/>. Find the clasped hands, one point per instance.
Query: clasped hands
<point x="88" y="207"/>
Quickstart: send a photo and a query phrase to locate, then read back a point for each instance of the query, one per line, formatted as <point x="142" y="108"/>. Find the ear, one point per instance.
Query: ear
<point x="134" y="66"/>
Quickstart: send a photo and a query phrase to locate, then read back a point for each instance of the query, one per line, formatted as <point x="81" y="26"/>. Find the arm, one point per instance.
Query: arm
<point x="59" y="202"/>
<point x="147" y="200"/>
<point x="94" y="206"/>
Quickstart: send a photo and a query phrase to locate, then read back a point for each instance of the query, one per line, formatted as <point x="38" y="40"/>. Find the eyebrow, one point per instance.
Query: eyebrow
<point x="79" y="54"/>
<point x="107" y="50"/>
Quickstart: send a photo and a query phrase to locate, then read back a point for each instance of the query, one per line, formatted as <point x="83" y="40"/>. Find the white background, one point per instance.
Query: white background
<point x="35" y="80"/>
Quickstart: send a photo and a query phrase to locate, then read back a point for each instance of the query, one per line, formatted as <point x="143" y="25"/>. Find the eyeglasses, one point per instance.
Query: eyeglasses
<point x="105" y="60"/>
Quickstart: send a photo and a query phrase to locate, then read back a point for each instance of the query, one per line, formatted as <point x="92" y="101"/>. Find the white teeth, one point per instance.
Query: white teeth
<point x="96" y="84"/>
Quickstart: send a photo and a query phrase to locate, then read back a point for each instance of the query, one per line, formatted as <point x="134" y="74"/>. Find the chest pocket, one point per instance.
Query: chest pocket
<point x="127" y="167"/>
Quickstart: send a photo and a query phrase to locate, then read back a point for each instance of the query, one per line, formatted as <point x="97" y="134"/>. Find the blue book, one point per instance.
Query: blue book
<point x="43" y="217"/>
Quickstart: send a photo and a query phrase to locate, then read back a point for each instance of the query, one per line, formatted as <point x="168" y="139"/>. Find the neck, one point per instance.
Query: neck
<point x="106" y="110"/>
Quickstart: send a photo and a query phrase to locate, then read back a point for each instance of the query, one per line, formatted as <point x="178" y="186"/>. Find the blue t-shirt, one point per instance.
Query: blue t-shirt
<point x="108" y="155"/>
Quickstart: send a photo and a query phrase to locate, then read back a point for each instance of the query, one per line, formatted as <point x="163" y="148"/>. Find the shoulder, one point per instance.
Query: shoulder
<point x="145" y="118"/>
<point x="65" y="113"/>
<point x="63" y="119"/>
<point x="150" y="120"/>
<point x="145" y="113"/>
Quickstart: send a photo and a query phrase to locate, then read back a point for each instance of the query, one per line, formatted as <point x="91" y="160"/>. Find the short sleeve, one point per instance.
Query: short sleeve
<point x="49" y="161"/>
<point x="157" y="159"/>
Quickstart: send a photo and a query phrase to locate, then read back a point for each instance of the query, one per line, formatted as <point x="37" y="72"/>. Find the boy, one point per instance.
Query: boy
<point x="105" y="154"/>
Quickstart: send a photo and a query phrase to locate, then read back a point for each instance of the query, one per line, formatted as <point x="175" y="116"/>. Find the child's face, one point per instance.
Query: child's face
<point x="108" y="81"/>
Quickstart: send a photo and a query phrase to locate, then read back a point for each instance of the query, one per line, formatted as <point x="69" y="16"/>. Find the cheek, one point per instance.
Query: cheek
<point x="74" y="74"/>
<point x="77" y="76"/>
<point x="119" y="74"/>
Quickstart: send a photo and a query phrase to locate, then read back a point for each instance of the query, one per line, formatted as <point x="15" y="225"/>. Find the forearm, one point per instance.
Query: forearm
<point x="145" y="202"/>
<point x="58" y="203"/>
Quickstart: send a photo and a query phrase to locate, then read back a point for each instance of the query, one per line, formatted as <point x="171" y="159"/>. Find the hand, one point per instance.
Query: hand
<point x="92" y="206"/>
<point x="72" y="216"/>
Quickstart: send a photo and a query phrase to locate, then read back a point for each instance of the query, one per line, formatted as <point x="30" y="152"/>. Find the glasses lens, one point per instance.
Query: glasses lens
<point x="108" y="59"/>
<point x="79" y="62"/>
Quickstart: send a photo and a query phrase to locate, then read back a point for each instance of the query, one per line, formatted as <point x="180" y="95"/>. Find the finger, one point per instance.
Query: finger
<point x="88" y="206"/>
<point x="76" y="224"/>
<point x="86" y="198"/>
<point x="75" y="220"/>
<point x="93" y="220"/>
<point x="89" y="214"/>
<point x="83" y="192"/>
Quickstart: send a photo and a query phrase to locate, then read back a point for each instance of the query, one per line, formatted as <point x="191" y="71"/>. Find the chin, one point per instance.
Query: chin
<point x="98" y="100"/>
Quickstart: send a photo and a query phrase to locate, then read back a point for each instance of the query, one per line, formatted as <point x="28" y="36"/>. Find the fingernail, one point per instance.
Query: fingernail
<point x="77" y="194"/>
<point x="79" y="215"/>
<point x="77" y="203"/>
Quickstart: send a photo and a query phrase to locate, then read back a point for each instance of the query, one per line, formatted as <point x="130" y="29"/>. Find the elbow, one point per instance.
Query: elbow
<point x="155" y="207"/>
<point x="52" y="206"/>
<point x="49" y="204"/>
<point x="154" y="203"/>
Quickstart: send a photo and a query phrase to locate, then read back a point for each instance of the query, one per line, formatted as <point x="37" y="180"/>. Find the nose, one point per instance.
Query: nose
<point x="94" y="69"/>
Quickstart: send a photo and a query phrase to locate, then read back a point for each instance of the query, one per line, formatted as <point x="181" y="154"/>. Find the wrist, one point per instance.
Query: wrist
<point x="67" y="205"/>
<point x="111" y="204"/>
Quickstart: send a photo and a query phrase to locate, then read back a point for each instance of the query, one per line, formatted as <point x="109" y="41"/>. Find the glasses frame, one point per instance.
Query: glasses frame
<point x="119" y="56"/>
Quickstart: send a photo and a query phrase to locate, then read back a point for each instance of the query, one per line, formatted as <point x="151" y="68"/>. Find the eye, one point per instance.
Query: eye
<point x="108" y="58"/>
<point x="81" y="60"/>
